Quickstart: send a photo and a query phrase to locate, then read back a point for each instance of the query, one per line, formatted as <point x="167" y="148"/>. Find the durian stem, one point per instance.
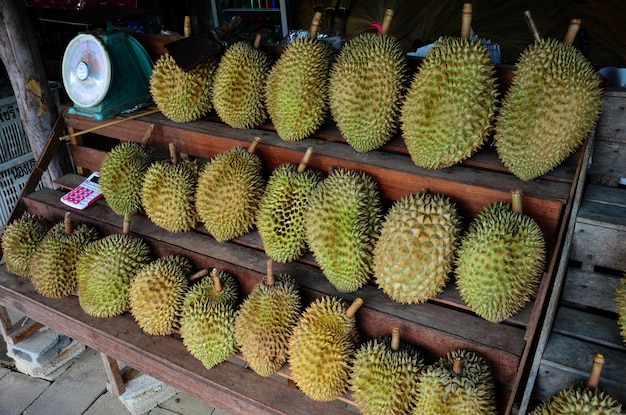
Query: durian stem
<point x="305" y="160"/>
<point x="126" y="224"/>
<point x="67" y="220"/>
<point x="173" y="153"/>
<point x="458" y="366"/>
<point x="315" y="25"/>
<point x="145" y="141"/>
<point x="198" y="275"/>
<point x="466" y="20"/>
<point x="572" y="31"/>
<point x="596" y="370"/>
<point x="257" y="41"/>
<point x="269" y="278"/>
<point x="387" y="19"/>
<point x="516" y="201"/>
<point x="216" y="280"/>
<point x="354" y="307"/>
<point x="187" y="26"/>
<point x="531" y="25"/>
<point x="424" y="191"/>
<point x="253" y="146"/>
<point x="395" y="339"/>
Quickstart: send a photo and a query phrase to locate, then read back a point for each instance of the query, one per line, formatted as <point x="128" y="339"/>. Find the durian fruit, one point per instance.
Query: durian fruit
<point x="121" y="174"/>
<point x="342" y="224"/>
<point x="168" y="193"/>
<point x="500" y="260"/>
<point x="20" y="238"/>
<point x="280" y="218"/>
<point x="415" y="252"/>
<point x="296" y="93"/>
<point x="322" y="347"/>
<point x="208" y="319"/>
<point x="182" y="96"/>
<point x="450" y="105"/>
<point x="53" y="263"/>
<point x="620" y="302"/>
<point x="460" y="383"/>
<point x="265" y="322"/>
<point x="581" y="400"/>
<point x="385" y="376"/>
<point x="553" y="102"/>
<point x="230" y="187"/>
<point x="105" y="270"/>
<point x="367" y="82"/>
<point x="157" y="292"/>
<point x="239" y="85"/>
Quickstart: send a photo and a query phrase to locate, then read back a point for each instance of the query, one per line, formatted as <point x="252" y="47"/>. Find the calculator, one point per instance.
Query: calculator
<point x="85" y="193"/>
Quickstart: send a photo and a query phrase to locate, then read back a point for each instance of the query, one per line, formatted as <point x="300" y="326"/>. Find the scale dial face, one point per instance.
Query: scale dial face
<point x="86" y="70"/>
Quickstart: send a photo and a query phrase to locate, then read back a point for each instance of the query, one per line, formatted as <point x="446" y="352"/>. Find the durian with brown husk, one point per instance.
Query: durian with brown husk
<point x="20" y="238"/>
<point x="620" y="302"/>
<point x="280" y="218"/>
<point x="121" y="174"/>
<point x="342" y="223"/>
<point x="265" y="322"/>
<point x="157" y="293"/>
<point x="182" y="96"/>
<point x="450" y="105"/>
<point x="207" y="323"/>
<point x="367" y="82"/>
<point x="239" y="85"/>
<point x="229" y="189"/>
<point x="53" y="263"/>
<point x="581" y="399"/>
<point x="385" y="375"/>
<point x="105" y="271"/>
<point x="500" y="260"/>
<point x="322" y="347"/>
<point x="460" y="383"/>
<point x="168" y="192"/>
<point x="414" y="254"/>
<point x="553" y="102"/>
<point x="296" y="93"/>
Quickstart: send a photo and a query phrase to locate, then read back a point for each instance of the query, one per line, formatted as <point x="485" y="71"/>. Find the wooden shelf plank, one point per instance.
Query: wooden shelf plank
<point x="590" y="289"/>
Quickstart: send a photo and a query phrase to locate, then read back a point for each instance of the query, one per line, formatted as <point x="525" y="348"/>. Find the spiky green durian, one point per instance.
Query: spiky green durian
<point x="367" y="82"/>
<point x="385" y="376"/>
<point x="620" y="302"/>
<point x="342" y="224"/>
<point x="53" y="264"/>
<point x="168" y="194"/>
<point x="297" y="88"/>
<point x="229" y="190"/>
<point x="239" y="86"/>
<point x="450" y="105"/>
<point x="322" y="347"/>
<point x="121" y="177"/>
<point x="458" y="384"/>
<point x="157" y="293"/>
<point x="280" y="218"/>
<point x="20" y="238"/>
<point x="415" y="251"/>
<point x="579" y="401"/>
<point x="499" y="262"/>
<point x="182" y="96"/>
<point x="208" y="319"/>
<point x="265" y="321"/>
<point x="554" y="101"/>
<point x="105" y="270"/>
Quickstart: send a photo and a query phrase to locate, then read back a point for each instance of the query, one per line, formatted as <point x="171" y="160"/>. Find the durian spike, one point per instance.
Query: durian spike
<point x="173" y="153"/>
<point x="395" y="339"/>
<point x="386" y="22"/>
<point x="257" y="41"/>
<point x="68" y="223"/>
<point x="531" y="25"/>
<point x="196" y="276"/>
<point x="315" y="25"/>
<point x="516" y="201"/>
<point x="145" y="141"/>
<point x="187" y="26"/>
<point x="305" y="160"/>
<point x="596" y="370"/>
<point x="354" y="307"/>
<point x="270" y="280"/>
<point x="457" y="367"/>
<point x="466" y="20"/>
<point x="253" y="146"/>
<point x="215" y="274"/>
<point x="126" y="224"/>
<point x="572" y="31"/>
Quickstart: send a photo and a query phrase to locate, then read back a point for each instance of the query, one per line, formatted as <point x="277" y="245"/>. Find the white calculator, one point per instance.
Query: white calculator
<point x="85" y="193"/>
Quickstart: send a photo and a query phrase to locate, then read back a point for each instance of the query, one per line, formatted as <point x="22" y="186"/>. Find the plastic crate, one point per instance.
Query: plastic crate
<point x="13" y="177"/>
<point x="13" y="140"/>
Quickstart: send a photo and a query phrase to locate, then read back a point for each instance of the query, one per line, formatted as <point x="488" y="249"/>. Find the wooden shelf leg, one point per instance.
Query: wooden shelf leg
<point x="115" y="385"/>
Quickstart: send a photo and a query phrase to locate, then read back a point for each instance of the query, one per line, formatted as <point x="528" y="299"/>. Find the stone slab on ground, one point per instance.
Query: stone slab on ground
<point x="143" y="393"/>
<point x="107" y="404"/>
<point x="56" y="366"/>
<point x="18" y="391"/>
<point x="39" y="349"/>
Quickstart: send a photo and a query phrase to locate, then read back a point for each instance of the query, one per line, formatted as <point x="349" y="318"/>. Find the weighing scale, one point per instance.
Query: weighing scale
<point x="106" y="73"/>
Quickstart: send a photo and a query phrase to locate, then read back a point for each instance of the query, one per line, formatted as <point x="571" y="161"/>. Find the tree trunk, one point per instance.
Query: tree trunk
<point x="24" y="65"/>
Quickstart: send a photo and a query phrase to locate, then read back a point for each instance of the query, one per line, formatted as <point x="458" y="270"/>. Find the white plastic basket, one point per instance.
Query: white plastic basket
<point x="13" y="177"/>
<point x="13" y="140"/>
